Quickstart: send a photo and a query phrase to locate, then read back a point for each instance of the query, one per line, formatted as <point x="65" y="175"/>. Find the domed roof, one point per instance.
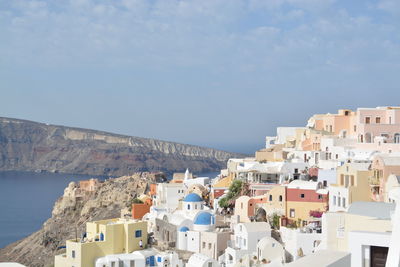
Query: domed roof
<point x="192" y="197"/>
<point x="183" y="229"/>
<point x="204" y="218"/>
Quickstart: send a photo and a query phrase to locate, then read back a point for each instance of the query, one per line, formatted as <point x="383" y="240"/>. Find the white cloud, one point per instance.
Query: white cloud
<point x="214" y="35"/>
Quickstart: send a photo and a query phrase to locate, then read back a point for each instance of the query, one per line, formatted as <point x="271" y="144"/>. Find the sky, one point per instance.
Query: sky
<point x="216" y="73"/>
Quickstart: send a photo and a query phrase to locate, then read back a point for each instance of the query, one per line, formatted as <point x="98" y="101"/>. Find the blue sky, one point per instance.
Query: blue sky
<point x="218" y="73"/>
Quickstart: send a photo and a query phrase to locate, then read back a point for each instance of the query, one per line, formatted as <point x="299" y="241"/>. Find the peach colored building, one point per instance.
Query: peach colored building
<point x="340" y="124"/>
<point x="245" y="208"/>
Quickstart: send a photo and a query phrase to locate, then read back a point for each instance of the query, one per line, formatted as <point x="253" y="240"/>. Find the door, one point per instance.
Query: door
<point x="378" y="256"/>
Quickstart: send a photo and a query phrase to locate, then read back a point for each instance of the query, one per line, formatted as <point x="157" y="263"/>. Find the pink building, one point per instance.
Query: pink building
<point x="378" y="122"/>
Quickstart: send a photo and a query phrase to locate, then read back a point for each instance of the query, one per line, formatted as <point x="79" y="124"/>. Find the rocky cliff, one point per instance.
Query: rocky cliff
<point x="70" y="214"/>
<point x="32" y="146"/>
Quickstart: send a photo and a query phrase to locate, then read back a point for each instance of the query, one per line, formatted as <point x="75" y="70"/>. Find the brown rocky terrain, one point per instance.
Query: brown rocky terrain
<point x="32" y="146"/>
<point x="70" y="214"/>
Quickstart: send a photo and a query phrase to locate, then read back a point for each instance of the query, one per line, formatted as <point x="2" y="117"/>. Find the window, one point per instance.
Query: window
<point x="292" y="213"/>
<point x="158" y="228"/>
<point x="352" y="180"/>
<point x="188" y="206"/>
<point x="270" y="197"/>
<point x="195" y="206"/>
<point x="204" y="244"/>
<point x="334" y="200"/>
<point x="341" y="179"/>
<point x="339" y="202"/>
<point x="378" y="120"/>
<point x="397" y="138"/>
<point x="367" y="120"/>
<point x="138" y="233"/>
<point x="344" y="203"/>
<point x="210" y="264"/>
<point x="280" y="198"/>
<point x="158" y="259"/>
<point x="112" y="264"/>
<point x="301" y="195"/>
<point x="319" y="196"/>
<point x="73" y="254"/>
<point x="355" y="128"/>
<point x="209" y="245"/>
<point x="132" y="264"/>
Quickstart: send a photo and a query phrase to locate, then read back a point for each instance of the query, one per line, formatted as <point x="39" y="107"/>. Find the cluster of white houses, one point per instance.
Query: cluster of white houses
<point x="320" y="195"/>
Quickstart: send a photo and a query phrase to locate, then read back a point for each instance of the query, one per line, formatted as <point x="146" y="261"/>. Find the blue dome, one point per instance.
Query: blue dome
<point x="192" y="197"/>
<point x="183" y="229"/>
<point x="204" y="218"/>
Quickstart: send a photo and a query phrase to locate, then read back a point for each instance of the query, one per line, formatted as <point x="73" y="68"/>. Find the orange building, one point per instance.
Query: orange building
<point x="153" y="190"/>
<point x="139" y="210"/>
<point x="89" y="185"/>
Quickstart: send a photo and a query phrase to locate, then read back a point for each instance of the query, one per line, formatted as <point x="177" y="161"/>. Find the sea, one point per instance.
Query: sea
<point x="27" y="199"/>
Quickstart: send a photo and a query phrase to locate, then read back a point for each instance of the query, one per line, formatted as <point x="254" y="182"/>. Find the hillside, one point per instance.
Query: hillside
<point x="70" y="214"/>
<point x="33" y="146"/>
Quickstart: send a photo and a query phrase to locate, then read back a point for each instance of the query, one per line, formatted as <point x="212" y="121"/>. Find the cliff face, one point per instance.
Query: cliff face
<point x="70" y="214"/>
<point x="32" y="146"/>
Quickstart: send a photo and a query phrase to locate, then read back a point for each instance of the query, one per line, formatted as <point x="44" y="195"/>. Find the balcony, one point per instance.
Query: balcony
<point x="373" y="181"/>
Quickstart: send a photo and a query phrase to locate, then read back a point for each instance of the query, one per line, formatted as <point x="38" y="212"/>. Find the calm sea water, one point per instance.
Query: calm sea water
<point x="27" y="199"/>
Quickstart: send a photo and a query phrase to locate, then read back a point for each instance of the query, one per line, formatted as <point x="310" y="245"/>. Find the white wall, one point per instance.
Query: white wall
<point x="360" y="242"/>
<point x="193" y="241"/>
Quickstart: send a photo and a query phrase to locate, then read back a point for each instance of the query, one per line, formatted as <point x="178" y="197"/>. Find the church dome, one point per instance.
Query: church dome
<point x="204" y="218"/>
<point x="192" y="197"/>
<point x="183" y="229"/>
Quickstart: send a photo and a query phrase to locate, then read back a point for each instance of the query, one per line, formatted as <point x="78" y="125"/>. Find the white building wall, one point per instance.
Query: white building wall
<point x="360" y="243"/>
<point x="193" y="241"/>
<point x="338" y="198"/>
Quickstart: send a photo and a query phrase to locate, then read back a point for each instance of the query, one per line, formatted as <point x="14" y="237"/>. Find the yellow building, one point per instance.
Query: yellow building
<point x="276" y="201"/>
<point x="352" y="185"/>
<point x="105" y="237"/>
<point x="305" y="201"/>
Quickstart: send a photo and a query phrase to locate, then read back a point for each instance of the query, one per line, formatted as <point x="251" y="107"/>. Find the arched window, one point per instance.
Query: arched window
<point x="270" y="197"/>
<point x="280" y="198"/>
<point x="188" y="206"/>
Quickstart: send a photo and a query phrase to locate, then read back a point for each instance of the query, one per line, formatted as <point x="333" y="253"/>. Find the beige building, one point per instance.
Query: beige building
<point x="105" y="237"/>
<point x="352" y="185"/>
<point x="213" y="244"/>
<point x="383" y="165"/>
<point x="361" y="216"/>
<point x="276" y="201"/>
<point x="274" y="153"/>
